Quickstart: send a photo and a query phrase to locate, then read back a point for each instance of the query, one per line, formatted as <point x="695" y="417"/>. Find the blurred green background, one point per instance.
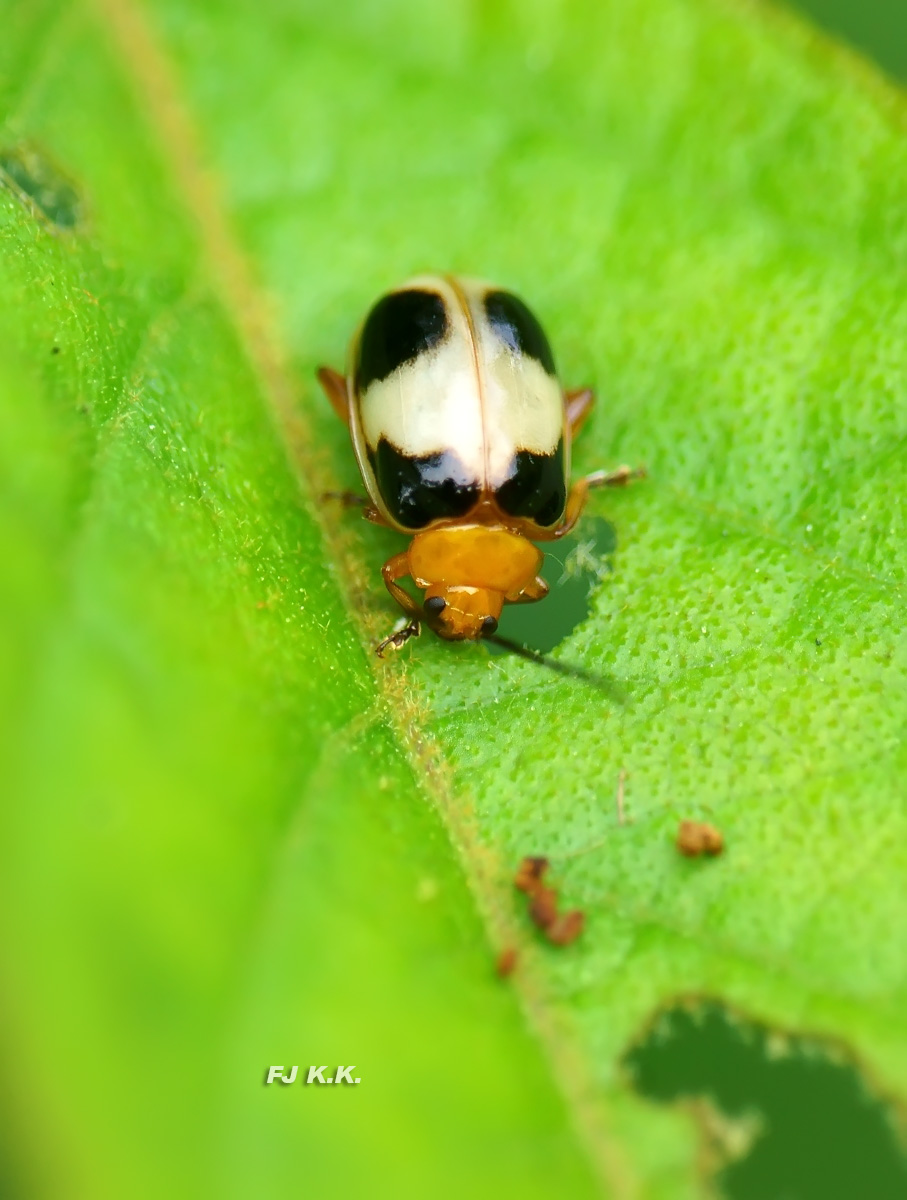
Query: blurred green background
<point x="227" y="842"/>
<point x="876" y="27"/>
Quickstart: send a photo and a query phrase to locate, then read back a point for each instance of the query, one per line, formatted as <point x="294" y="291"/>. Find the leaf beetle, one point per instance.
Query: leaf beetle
<point x="462" y="434"/>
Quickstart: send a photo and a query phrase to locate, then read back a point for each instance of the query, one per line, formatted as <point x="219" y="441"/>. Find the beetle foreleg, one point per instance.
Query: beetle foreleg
<point x="395" y="568"/>
<point x="398" y="639"/>
<point x="335" y="389"/>
<point x="536" y="590"/>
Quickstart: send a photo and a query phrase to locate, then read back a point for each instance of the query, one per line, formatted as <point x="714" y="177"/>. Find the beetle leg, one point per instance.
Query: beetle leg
<point x="618" y="478"/>
<point x="576" y="501"/>
<point x="354" y="500"/>
<point x="579" y="404"/>
<point x="395" y="568"/>
<point x="346" y="499"/>
<point x="536" y="590"/>
<point x="374" y="515"/>
<point x="335" y="389"/>
<point x="395" y="640"/>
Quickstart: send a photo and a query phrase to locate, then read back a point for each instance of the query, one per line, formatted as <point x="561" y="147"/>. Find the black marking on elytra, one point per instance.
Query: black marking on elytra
<point x="536" y="487"/>
<point x="41" y="185"/>
<point x="400" y="327"/>
<point x="784" y="1114"/>
<point x="417" y="491"/>
<point x="518" y="328"/>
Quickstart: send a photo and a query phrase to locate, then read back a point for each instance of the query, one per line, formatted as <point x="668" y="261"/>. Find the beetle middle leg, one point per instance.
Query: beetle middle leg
<point x="579" y="404"/>
<point x="617" y="478"/>
<point x="334" y="385"/>
<point x="346" y="499"/>
<point x="576" y="501"/>
<point x="396" y="568"/>
<point x="354" y="500"/>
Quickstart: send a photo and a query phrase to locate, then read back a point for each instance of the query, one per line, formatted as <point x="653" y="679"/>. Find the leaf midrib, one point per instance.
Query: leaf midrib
<point x="157" y="89"/>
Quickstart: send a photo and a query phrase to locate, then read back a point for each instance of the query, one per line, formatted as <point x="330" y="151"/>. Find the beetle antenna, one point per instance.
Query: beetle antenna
<point x="569" y="669"/>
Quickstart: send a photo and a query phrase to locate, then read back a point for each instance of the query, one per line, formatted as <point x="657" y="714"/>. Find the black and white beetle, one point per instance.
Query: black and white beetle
<point x="462" y="433"/>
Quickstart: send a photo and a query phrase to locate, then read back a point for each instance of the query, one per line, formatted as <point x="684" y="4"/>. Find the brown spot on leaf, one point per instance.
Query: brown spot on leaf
<point x="695" y="838"/>
<point x="507" y="961"/>
<point x="529" y="874"/>
<point x="560" y="929"/>
<point x="567" y="928"/>
<point x="543" y="907"/>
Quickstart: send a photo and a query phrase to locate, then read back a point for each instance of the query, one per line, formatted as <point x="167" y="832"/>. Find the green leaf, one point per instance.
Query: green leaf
<point x="231" y="838"/>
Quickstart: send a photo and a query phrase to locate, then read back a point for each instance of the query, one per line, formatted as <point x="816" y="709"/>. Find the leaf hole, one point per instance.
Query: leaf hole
<point x="573" y="569"/>
<point x="781" y="1114"/>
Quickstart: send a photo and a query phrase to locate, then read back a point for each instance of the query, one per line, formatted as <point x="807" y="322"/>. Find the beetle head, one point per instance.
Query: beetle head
<point x="462" y="613"/>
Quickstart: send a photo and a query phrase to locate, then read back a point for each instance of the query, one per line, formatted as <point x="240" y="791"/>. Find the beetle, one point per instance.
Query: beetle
<point x="462" y="434"/>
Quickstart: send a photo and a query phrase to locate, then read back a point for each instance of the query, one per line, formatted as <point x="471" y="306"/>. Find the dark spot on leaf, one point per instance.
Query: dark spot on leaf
<point x="39" y="183"/>
<point x="573" y="569"/>
<point x="783" y="1115"/>
<point x="55" y="349"/>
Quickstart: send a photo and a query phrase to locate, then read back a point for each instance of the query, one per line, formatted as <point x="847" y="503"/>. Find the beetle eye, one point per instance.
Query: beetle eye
<point x="490" y="625"/>
<point x="434" y="605"/>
